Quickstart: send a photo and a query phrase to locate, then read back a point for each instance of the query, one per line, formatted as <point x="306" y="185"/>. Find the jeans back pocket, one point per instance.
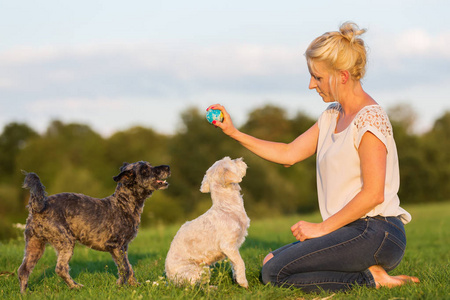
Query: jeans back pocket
<point x="390" y="252"/>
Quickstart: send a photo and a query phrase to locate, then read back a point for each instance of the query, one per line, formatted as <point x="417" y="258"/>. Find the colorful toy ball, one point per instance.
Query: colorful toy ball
<point x="214" y="115"/>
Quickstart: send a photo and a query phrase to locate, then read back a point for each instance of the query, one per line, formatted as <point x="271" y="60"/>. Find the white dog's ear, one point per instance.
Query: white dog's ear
<point x="204" y="188"/>
<point x="230" y="176"/>
<point x="242" y="166"/>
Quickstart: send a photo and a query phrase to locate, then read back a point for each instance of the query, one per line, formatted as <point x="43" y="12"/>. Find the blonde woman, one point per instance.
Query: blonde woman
<point x="362" y="236"/>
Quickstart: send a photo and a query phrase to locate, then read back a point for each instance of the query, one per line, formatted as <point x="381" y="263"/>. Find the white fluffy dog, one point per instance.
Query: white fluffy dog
<point x="216" y="234"/>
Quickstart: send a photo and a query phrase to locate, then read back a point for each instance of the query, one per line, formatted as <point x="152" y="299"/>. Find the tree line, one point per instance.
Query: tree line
<point x="74" y="158"/>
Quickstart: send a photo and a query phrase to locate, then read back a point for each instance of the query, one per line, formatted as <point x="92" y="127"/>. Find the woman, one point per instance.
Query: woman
<point x="362" y="236"/>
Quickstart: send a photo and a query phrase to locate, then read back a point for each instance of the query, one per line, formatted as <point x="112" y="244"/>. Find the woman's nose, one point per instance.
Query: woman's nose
<point x="312" y="83"/>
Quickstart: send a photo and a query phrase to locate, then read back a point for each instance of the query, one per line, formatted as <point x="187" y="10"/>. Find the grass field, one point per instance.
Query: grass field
<point x="427" y="257"/>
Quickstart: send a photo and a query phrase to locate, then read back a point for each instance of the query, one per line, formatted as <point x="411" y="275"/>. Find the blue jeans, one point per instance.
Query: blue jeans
<point x="338" y="260"/>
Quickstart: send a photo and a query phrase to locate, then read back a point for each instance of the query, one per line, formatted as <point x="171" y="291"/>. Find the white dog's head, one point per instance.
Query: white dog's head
<point x="224" y="172"/>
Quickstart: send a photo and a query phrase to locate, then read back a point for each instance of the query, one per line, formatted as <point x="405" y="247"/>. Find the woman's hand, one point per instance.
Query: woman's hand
<point x="303" y="230"/>
<point x="226" y="125"/>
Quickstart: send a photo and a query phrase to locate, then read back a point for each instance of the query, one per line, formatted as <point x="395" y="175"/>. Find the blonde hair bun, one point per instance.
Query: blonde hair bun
<point x="340" y="50"/>
<point x="351" y="31"/>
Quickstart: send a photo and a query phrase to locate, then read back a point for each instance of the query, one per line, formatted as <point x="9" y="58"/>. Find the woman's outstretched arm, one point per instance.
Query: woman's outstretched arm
<point x="301" y="148"/>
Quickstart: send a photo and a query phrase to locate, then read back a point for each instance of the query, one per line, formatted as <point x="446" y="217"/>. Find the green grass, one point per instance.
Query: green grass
<point x="427" y="257"/>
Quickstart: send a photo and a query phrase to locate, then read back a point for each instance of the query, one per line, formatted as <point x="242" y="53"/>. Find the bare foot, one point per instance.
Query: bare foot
<point x="267" y="258"/>
<point x="382" y="278"/>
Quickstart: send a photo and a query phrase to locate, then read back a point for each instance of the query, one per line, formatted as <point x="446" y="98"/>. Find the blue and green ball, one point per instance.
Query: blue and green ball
<point x="214" y="115"/>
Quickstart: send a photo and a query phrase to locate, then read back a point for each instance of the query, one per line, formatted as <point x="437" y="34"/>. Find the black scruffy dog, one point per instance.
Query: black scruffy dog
<point x="107" y="224"/>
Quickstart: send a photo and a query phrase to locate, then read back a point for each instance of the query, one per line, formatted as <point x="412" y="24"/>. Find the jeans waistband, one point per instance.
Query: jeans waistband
<point x="394" y="221"/>
<point x="386" y="218"/>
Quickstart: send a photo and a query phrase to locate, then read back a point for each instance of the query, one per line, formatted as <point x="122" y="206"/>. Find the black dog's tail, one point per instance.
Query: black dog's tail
<point x="38" y="196"/>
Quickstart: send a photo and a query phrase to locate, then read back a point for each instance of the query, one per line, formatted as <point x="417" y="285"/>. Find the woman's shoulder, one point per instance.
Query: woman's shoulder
<point x="373" y="116"/>
<point x="329" y="114"/>
<point x="333" y="108"/>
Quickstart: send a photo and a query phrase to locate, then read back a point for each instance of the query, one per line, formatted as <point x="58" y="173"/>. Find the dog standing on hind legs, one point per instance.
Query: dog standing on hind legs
<point x="107" y="224"/>
<point x="216" y="234"/>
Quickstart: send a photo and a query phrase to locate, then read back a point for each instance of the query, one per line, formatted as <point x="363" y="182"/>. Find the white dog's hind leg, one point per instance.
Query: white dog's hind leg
<point x="191" y="274"/>
<point x="238" y="266"/>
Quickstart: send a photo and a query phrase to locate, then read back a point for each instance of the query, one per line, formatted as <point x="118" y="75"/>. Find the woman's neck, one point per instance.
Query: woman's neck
<point x="353" y="99"/>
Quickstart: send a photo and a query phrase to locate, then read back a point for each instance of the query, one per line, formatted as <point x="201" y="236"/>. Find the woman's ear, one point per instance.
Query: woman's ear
<point x="344" y="76"/>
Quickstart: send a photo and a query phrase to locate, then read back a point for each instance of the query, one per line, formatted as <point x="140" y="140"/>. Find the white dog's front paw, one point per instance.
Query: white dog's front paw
<point x="243" y="283"/>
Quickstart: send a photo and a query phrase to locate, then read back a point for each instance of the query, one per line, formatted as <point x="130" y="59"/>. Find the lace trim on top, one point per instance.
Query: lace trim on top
<point x="373" y="116"/>
<point x="370" y="118"/>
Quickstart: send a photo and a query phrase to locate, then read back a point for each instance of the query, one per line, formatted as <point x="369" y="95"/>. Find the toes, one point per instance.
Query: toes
<point x="407" y="279"/>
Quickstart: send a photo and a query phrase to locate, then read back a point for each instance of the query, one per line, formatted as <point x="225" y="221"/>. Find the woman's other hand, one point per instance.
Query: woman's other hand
<point x="303" y="230"/>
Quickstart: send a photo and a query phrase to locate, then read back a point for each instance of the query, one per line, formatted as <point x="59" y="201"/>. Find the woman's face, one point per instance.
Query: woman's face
<point x="320" y="81"/>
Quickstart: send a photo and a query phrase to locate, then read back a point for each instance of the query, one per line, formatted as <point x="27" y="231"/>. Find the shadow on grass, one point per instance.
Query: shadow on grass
<point x="92" y="266"/>
<point x="97" y="262"/>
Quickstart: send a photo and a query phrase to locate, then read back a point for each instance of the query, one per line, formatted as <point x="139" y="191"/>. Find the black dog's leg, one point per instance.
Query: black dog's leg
<point x="126" y="273"/>
<point x="132" y="279"/>
<point x="62" y="265"/>
<point x="33" y="252"/>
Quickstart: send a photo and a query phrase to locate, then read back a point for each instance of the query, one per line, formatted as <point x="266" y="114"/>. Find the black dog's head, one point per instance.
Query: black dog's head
<point x="144" y="175"/>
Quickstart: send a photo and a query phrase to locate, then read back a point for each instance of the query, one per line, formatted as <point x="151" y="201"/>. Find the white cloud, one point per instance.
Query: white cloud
<point x="6" y="83"/>
<point x="413" y="44"/>
<point x="418" y="42"/>
<point x="228" y="61"/>
<point x="75" y="106"/>
<point x="143" y="65"/>
<point x="111" y="85"/>
<point x="216" y="60"/>
<point x="146" y="70"/>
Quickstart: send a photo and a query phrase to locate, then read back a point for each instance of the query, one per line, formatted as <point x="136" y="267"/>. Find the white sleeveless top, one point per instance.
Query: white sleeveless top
<point x="338" y="164"/>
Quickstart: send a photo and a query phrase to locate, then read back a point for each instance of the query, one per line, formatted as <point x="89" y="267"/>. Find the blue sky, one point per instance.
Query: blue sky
<point x="115" y="64"/>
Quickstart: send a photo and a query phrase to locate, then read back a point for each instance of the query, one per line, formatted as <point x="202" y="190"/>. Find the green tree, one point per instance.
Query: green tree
<point x="72" y="157"/>
<point x="15" y="137"/>
<point x="303" y="174"/>
<point x="437" y="154"/>
<point x="415" y="173"/>
<point x="65" y="147"/>
<point x="270" y="123"/>
<point x="273" y="189"/>
<point x="193" y="150"/>
<point x="136" y="144"/>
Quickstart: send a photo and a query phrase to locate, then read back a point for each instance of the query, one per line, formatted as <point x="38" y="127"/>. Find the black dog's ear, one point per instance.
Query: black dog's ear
<point x="125" y="176"/>
<point x="125" y="164"/>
